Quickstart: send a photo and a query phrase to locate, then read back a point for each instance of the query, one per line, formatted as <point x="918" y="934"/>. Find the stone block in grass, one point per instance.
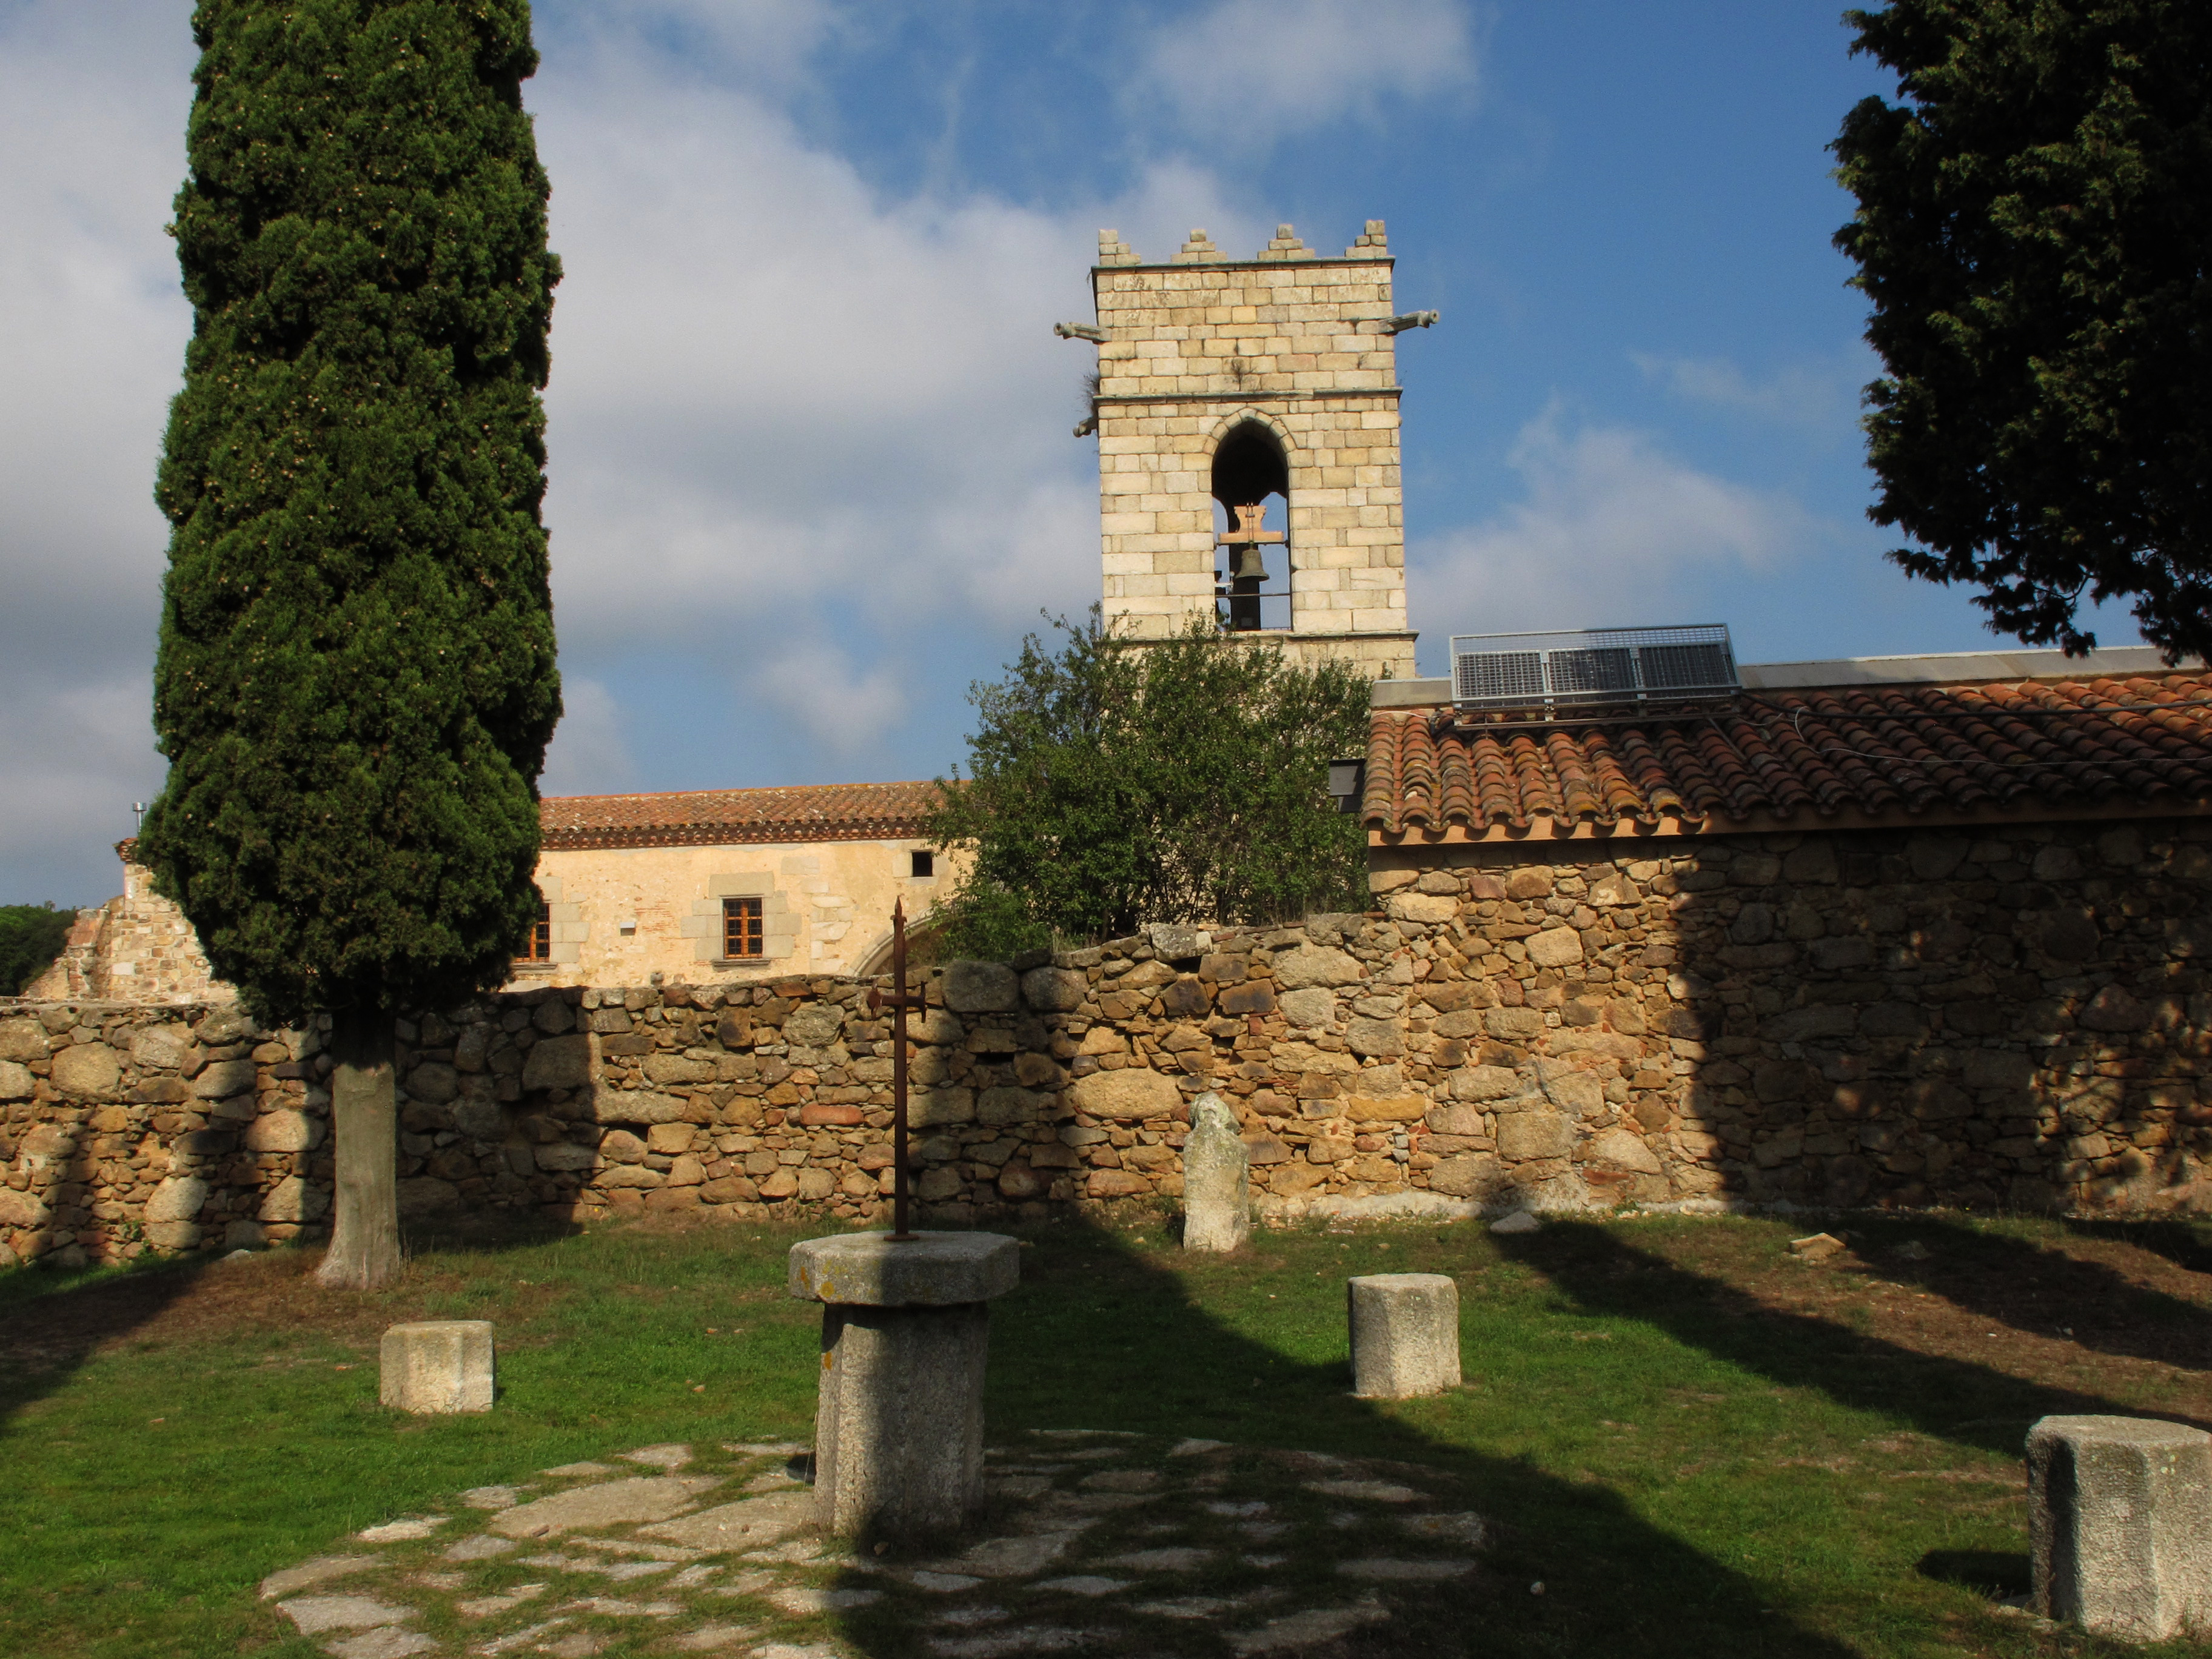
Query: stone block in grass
<point x="1405" y="1334"/>
<point x="2120" y="1524"/>
<point x="437" y="1366"/>
<point x="1216" y="1199"/>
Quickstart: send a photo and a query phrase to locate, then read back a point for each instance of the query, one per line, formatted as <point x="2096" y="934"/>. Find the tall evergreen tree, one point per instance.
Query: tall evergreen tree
<point x="357" y="679"/>
<point x="2034" y="232"/>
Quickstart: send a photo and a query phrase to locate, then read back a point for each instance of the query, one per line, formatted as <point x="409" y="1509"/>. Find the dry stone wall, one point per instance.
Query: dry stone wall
<point x="2021" y="1017"/>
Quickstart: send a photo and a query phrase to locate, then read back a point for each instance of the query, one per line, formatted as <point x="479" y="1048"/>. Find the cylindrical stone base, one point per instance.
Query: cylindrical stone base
<point x="1405" y="1334"/>
<point x="2120" y="1524"/>
<point x="898" y="1428"/>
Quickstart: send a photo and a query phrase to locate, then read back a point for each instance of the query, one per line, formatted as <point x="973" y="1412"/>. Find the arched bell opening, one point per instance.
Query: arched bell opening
<point x="1250" y="471"/>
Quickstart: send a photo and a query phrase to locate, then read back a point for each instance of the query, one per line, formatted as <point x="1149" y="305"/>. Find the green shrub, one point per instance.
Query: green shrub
<point x="1114" y="783"/>
<point x="31" y="937"/>
<point x="985" y="923"/>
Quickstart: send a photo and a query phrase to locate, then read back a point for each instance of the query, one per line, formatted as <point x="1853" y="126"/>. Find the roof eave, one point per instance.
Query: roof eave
<point x="1546" y="831"/>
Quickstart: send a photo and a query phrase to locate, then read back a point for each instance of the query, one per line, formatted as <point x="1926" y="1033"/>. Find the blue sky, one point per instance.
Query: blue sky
<point x="812" y="473"/>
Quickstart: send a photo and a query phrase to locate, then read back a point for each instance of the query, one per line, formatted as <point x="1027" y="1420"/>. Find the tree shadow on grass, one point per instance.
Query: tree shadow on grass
<point x="1956" y="1400"/>
<point x="2043" y="1290"/>
<point x="53" y="1323"/>
<point x="2182" y="1243"/>
<point x="1102" y="1335"/>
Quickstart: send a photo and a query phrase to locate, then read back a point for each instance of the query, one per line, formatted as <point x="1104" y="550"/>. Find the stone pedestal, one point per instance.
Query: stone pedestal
<point x="2120" y="1524"/>
<point x="898" y="1424"/>
<point x="1405" y="1334"/>
<point x="1217" y="1202"/>
<point x="437" y="1365"/>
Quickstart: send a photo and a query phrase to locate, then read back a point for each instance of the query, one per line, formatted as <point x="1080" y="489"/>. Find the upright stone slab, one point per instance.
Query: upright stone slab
<point x="1405" y="1335"/>
<point x="437" y="1366"/>
<point x="1217" y="1204"/>
<point x="898" y="1424"/>
<point x="2120" y="1524"/>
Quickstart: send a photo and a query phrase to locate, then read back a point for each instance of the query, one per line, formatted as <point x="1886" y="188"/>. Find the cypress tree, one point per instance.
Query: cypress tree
<point x="356" y="682"/>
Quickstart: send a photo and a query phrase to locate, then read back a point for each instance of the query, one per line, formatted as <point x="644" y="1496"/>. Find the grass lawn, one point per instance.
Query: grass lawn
<point x="1697" y="1443"/>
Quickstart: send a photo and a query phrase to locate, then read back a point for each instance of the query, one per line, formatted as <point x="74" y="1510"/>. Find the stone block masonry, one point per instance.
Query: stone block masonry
<point x="2017" y="1016"/>
<point x="1304" y="345"/>
<point x="138" y="947"/>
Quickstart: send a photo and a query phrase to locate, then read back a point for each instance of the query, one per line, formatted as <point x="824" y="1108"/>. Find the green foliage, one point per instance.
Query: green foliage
<point x="1184" y="780"/>
<point x="985" y="923"/>
<point x="356" y="676"/>
<point x="2034" y="234"/>
<point x="31" y="937"/>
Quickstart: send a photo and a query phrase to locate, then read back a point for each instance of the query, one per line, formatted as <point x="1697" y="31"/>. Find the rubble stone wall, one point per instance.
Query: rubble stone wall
<point x="138" y="947"/>
<point x="2017" y="1016"/>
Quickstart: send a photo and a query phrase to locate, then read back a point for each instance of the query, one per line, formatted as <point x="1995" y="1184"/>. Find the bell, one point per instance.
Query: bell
<point x="1245" y="562"/>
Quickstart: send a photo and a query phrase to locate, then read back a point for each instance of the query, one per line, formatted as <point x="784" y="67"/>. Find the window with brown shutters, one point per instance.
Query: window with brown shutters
<point x="741" y="928"/>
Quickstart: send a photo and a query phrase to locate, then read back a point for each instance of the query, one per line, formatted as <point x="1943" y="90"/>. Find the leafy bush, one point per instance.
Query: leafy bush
<point x="31" y="937"/>
<point x="986" y="922"/>
<point x="1113" y="783"/>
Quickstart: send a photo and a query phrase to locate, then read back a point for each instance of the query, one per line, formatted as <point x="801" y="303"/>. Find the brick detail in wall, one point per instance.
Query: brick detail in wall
<point x="2023" y="1017"/>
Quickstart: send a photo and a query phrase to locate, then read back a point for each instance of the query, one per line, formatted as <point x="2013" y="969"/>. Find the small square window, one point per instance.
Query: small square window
<point x="537" y="944"/>
<point x="741" y="928"/>
<point x="924" y="866"/>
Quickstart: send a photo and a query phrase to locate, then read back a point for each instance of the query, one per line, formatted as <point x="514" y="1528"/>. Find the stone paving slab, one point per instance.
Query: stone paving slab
<point x="604" y="1504"/>
<point x="750" y="1524"/>
<point x="1116" y="1546"/>
<point x="318" y="1571"/>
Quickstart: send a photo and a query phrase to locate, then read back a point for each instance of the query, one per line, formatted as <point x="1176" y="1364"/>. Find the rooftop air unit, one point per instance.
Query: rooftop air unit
<point x="1593" y="665"/>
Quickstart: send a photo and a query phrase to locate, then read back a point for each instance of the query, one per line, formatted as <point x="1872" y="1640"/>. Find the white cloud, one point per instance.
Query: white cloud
<point x="93" y="102"/>
<point x="816" y="687"/>
<point x="589" y="754"/>
<point x="779" y="399"/>
<point x="786" y="408"/>
<point x="768" y="44"/>
<point x="1608" y="529"/>
<point x="1824" y="398"/>
<point x="1243" y="73"/>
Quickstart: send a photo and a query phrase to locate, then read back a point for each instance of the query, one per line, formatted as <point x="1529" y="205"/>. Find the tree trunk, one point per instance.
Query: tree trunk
<point x="364" y="1252"/>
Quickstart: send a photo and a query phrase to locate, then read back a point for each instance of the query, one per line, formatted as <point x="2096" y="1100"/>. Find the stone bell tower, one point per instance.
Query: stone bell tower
<point x="1224" y="383"/>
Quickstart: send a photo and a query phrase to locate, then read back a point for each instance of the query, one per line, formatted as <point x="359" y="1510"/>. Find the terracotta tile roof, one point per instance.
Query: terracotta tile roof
<point x="1847" y="755"/>
<point x="710" y="818"/>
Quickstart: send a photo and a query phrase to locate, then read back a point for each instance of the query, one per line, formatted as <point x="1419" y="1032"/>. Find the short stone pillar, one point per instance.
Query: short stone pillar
<point x="1405" y="1335"/>
<point x="436" y="1365"/>
<point x="898" y="1422"/>
<point x="1216" y="1204"/>
<point x="2119" y="1524"/>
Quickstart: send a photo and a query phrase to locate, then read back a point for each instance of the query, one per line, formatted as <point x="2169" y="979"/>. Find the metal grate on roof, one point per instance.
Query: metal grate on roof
<point x="1592" y="665"/>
